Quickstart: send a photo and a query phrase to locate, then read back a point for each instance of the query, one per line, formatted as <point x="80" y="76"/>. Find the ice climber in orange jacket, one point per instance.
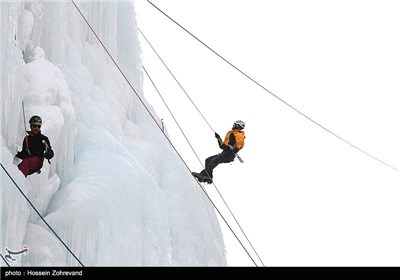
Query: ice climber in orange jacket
<point x="234" y="141"/>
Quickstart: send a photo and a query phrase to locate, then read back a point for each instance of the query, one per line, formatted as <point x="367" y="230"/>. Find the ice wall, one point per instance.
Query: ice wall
<point x="115" y="193"/>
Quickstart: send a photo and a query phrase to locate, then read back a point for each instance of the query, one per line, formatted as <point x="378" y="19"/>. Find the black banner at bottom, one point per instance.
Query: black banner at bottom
<point x="81" y="273"/>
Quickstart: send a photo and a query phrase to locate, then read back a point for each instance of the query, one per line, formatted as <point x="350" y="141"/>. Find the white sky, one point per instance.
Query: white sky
<point x="303" y="197"/>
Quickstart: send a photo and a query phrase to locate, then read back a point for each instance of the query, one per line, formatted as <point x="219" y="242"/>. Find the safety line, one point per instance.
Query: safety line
<point x="179" y="84"/>
<point x="5" y="260"/>
<point x="234" y="217"/>
<point x="176" y="80"/>
<point x="187" y="140"/>
<point x="34" y="208"/>
<point x="23" y="113"/>
<point x="169" y="110"/>
<point x="274" y="95"/>
<point x="115" y="63"/>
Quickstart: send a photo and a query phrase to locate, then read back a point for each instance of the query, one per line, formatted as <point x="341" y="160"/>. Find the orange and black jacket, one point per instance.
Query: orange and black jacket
<point x="234" y="138"/>
<point x="33" y="146"/>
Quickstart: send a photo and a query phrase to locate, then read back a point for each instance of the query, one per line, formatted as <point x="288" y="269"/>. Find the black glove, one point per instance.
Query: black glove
<point x="48" y="154"/>
<point x="217" y="136"/>
<point x="235" y="150"/>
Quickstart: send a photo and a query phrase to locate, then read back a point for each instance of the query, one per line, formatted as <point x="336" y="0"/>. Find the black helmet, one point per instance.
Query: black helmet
<point x="35" y="120"/>
<point x="238" y="124"/>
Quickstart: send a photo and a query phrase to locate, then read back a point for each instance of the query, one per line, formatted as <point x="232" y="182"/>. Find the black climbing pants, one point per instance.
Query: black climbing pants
<point x="226" y="156"/>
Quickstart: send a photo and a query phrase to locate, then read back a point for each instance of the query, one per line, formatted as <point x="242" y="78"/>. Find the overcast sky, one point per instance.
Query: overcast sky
<point x="302" y="196"/>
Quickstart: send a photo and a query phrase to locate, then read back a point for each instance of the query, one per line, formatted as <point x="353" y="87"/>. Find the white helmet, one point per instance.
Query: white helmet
<point x="238" y="124"/>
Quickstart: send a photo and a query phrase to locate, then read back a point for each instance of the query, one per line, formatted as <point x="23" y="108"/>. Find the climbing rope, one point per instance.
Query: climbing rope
<point x="23" y="114"/>
<point x="169" y="110"/>
<point x="187" y="140"/>
<point x="271" y="93"/>
<point x="5" y="260"/>
<point x="166" y="105"/>
<point x="179" y="84"/>
<point x="176" y="80"/>
<point x="41" y="217"/>
<point x="143" y="103"/>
